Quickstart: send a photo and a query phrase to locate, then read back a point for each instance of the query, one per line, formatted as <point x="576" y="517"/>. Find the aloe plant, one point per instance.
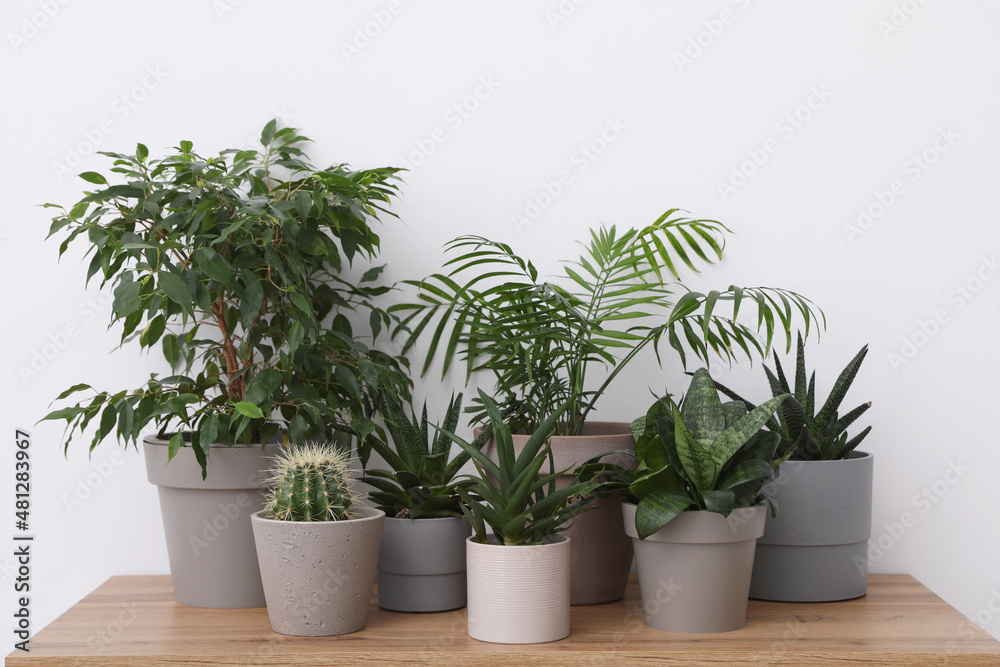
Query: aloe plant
<point x="807" y="435"/>
<point x="312" y="483"/>
<point x="421" y="482"/>
<point x="513" y="497"/>
<point x="703" y="455"/>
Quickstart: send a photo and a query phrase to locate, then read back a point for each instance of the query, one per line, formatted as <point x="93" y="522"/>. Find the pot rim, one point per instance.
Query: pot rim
<point x="375" y="514"/>
<point x="863" y="456"/>
<point x="426" y="518"/>
<point x="556" y="540"/>
<point x="155" y="441"/>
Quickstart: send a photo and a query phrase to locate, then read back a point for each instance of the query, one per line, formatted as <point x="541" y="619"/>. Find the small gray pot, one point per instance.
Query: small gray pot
<point x="421" y="565"/>
<point x="210" y="544"/>
<point x="694" y="573"/>
<point x="816" y="549"/>
<point x="318" y="575"/>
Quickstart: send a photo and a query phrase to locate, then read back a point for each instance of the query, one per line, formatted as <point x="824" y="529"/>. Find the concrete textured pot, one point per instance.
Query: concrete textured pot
<point x="210" y="543"/>
<point x="694" y="573"/>
<point x="421" y="565"/>
<point x="519" y="595"/>
<point x="318" y="575"/>
<point x="816" y="549"/>
<point x="602" y="553"/>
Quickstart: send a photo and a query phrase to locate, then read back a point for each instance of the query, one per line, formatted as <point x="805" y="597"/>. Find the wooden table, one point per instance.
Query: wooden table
<point x="134" y="621"/>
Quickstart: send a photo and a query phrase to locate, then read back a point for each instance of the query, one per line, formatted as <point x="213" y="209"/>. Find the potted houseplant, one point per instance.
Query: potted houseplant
<point x="540" y="339"/>
<point x="518" y="576"/>
<point x="695" y="507"/>
<point x="421" y="566"/>
<point x="231" y="266"/>
<point x="816" y="550"/>
<point x="316" y="545"/>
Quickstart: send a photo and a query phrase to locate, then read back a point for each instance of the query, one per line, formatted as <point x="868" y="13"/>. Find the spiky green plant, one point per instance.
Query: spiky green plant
<point x="312" y="483"/>
<point x="421" y="483"/>
<point x="704" y="455"/>
<point x="807" y="435"/>
<point x="521" y="505"/>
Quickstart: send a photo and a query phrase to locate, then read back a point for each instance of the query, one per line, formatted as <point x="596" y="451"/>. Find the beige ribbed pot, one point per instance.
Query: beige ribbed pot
<point x="602" y="553"/>
<point x="518" y="594"/>
<point x="694" y="573"/>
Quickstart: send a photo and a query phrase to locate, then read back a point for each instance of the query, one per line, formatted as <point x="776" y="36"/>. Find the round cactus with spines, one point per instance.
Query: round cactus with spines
<point x="312" y="483"/>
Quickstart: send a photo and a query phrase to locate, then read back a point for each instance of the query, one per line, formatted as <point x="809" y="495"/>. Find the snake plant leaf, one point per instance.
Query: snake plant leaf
<point x="658" y="509"/>
<point x="730" y="441"/>
<point x="702" y="411"/>
<point x="721" y="501"/>
<point x="733" y="411"/>
<point x="664" y="478"/>
<point x="695" y="460"/>
<point x="754" y="471"/>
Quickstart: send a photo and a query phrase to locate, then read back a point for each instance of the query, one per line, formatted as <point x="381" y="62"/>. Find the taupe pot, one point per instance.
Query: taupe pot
<point x="602" y="553"/>
<point x="421" y="565"/>
<point x="816" y="549"/>
<point x="694" y="573"/>
<point x="519" y="594"/>
<point x="318" y="575"/>
<point x="213" y="562"/>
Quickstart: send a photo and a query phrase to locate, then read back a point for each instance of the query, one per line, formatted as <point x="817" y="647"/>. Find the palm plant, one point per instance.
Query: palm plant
<point x="540" y="339"/>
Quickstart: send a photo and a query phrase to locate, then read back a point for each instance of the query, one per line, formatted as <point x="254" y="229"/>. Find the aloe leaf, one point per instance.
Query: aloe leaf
<point x="840" y="387"/>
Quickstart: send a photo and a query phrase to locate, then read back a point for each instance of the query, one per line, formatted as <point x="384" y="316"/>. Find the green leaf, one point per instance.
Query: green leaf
<point x="94" y="177"/>
<point x="174" y="445"/>
<point x="736" y="435"/>
<point x="702" y="410"/>
<point x="698" y="463"/>
<point x="657" y="510"/>
<point x="126" y="299"/>
<point x="72" y="390"/>
<point x="176" y="289"/>
<point x="267" y="135"/>
<point x="209" y="430"/>
<point x="297" y="429"/>
<point x="248" y="409"/>
<point x="215" y="265"/>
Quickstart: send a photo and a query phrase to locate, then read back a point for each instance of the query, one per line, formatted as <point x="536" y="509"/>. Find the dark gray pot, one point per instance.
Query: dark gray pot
<point x="421" y="565"/>
<point x="816" y="550"/>
<point x="318" y="575"/>
<point x="210" y="543"/>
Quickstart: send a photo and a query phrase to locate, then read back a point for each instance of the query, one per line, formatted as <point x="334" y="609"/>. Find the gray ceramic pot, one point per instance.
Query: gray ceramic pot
<point x="602" y="553"/>
<point x="421" y="565"/>
<point x="210" y="544"/>
<point x="816" y="549"/>
<point x="318" y="575"/>
<point x="694" y="573"/>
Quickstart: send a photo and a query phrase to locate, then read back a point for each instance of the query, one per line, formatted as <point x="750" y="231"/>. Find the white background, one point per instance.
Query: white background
<point x="850" y="96"/>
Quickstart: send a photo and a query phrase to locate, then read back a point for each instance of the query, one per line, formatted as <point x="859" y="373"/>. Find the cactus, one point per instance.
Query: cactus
<point x="312" y="483"/>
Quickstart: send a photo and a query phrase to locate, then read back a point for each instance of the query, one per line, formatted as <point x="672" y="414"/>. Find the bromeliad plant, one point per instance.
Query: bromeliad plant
<point x="421" y="483"/>
<point x="539" y="339"/>
<point x="807" y="435"/>
<point x="703" y="455"/>
<point x="311" y="483"/>
<point x="232" y="266"/>
<point x="521" y="505"/>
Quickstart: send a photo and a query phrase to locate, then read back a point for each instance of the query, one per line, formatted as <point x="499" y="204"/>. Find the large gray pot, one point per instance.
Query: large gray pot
<point x="694" y="573"/>
<point x="601" y="552"/>
<point x="210" y="543"/>
<point x="421" y="565"/>
<point x="318" y="575"/>
<point x="816" y="549"/>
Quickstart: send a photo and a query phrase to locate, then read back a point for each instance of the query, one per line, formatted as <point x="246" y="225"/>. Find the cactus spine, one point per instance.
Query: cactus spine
<point x="312" y="483"/>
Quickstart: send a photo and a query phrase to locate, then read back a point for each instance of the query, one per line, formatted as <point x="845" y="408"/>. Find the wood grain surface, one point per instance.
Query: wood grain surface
<point x="134" y="621"/>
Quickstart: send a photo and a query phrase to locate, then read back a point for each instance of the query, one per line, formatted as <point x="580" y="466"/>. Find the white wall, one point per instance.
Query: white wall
<point x="889" y="81"/>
